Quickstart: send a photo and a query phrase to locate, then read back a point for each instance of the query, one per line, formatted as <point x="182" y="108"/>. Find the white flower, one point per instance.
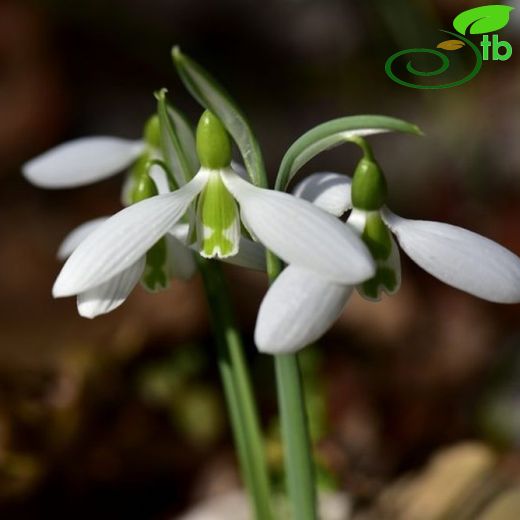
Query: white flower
<point x="178" y="263"/>
<point x="294" y="229"/>
<point x="300" y="306"/>
<point x="171" y="258"/>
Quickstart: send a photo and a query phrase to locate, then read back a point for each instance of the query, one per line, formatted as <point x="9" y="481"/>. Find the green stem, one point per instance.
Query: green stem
<point x="295" y="426"/>
<point x="237" y="389"/>
<point x="295" y="432"/>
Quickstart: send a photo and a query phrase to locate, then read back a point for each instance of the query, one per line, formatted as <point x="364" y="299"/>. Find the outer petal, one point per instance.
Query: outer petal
<point x="77" y="235"/>
<point x="302" y="234"/>
<point x="181" y="262"/>
<point x="124" y="238"/>
<point x="82" y="161"/>
<point x="460" y="258"/>
<point x="110" y="295"/>
<point x="329" y="191"/>
<point x="239" y="169"/>
<point x="298" y="308"/>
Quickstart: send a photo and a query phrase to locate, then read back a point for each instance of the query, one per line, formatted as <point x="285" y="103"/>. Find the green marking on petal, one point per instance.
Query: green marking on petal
<point x="377" y="237"/>
<point x="218" y="226"/>
<point x="384" y="280"/>
<point x="383" y="248"/>
<point x="155" y="276"/>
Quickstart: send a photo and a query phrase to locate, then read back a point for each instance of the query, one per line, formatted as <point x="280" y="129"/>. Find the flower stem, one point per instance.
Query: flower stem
<point x="295" y="427"/>
<point x="237" y="389"/>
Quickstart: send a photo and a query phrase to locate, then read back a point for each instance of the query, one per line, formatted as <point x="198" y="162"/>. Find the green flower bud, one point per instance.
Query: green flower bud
<point x="152" y="133"/>
<point x="144" y="186"/>
<point x="213" y="142"/>
<point x="369" y="189"/>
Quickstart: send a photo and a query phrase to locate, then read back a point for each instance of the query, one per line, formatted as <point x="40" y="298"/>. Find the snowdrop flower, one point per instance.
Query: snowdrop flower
<point x="171" y="257"/>
<point x="301" y="306"/>
<point x="91" y="159"/>
<point x="294" y="229"/>
<point x="168" y="258"/>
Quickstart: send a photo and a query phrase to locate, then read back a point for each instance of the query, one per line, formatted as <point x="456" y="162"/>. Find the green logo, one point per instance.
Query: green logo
<point x="480" y="20"/>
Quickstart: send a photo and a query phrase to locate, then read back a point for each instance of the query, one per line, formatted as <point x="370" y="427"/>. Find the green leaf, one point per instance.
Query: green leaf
<point x="205" y="89"/>
<point x="485" y="19"/>
<point x="331" y="134"/>
<point x="177" y="141"/>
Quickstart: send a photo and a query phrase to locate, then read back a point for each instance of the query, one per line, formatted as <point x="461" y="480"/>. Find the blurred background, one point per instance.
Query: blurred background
<point x="414" y="401"/>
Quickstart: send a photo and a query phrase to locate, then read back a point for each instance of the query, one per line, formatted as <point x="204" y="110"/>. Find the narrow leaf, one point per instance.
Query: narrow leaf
<point x="331" y="134"/>
<point x="205" y="89"/>
<point x="485" y="19"/>
<point x="177" y="141"/>
<point x="450" y="45"/>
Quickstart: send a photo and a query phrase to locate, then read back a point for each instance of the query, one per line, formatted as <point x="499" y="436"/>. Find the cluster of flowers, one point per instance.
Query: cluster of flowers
<point x="219" y="214"/>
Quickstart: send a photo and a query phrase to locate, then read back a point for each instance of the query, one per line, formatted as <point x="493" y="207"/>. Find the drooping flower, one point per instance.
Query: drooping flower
<point x="170" y="257"/>
<point x="294" y="229"/>
<point x="456" y="256"/>
<point x="167" y="258"/>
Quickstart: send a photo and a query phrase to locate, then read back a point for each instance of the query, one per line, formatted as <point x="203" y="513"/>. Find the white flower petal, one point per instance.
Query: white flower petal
<point x="239" y="169"/>
<point x="110" y="295"/>
<point x="82" y="161"/>
<point x="181" y="232"/>
<point x="181" y="262"/>
<point x="160" y="179"/>
<point x="251" y="255"/>
<point x="77" y="235"/>
<point x="329" y="191"/>
<point x="298" y="308"/>
<point x="124" y="238"/>
<point x="302" y="234"/>
<point x="460" y="258"/>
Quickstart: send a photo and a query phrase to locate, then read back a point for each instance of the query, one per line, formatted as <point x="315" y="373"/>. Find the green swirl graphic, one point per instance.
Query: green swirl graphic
<point x="445" y="63"/>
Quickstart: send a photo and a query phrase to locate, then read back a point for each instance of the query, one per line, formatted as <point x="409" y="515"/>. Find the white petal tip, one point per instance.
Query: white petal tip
<point x="267" y="345"/>
<point x="217" y="254"/>
<point x="88" y="315"/>
<point x="59" y="291"/>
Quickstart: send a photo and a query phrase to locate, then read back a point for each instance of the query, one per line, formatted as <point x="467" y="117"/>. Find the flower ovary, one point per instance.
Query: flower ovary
<point x="213" y="142"/>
